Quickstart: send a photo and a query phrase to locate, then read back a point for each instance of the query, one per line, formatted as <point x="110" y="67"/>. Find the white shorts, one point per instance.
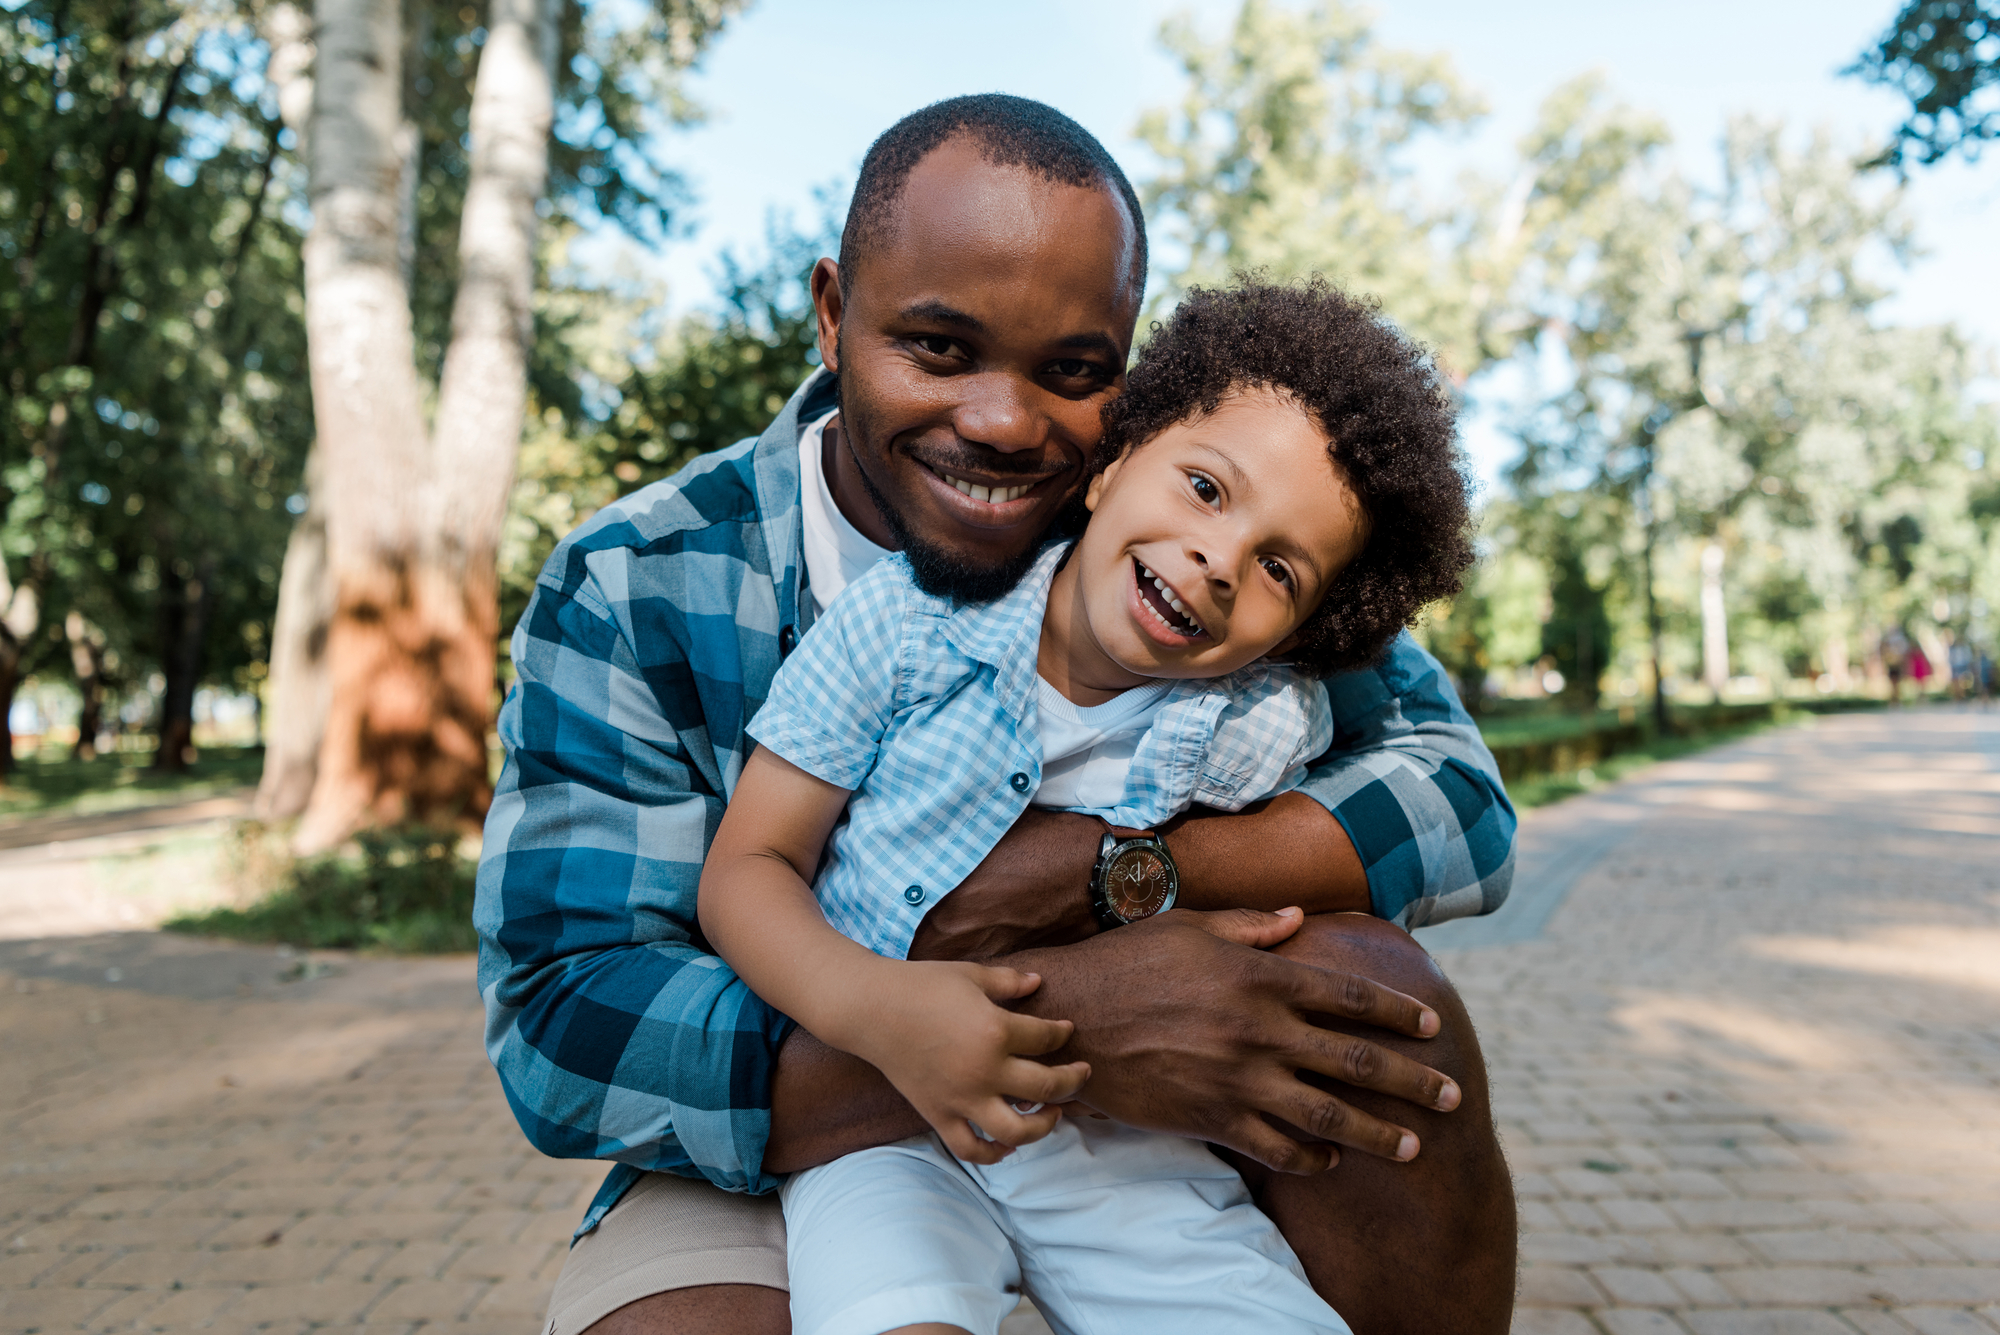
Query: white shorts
<point x="1110" y="1230"/>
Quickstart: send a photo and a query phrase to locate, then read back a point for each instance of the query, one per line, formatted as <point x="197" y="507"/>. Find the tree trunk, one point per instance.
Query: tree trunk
<point x="1714" y="621"/>
<point x="20" y="618"/>
<point x="185" y="603"/>
<point x="300" y="689"/>
<point x="412" y="531"/>
<point x="86" y="660"/>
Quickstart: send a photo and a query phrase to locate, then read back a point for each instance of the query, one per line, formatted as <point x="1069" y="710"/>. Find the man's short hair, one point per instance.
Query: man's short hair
<point x="1011" y="132"/>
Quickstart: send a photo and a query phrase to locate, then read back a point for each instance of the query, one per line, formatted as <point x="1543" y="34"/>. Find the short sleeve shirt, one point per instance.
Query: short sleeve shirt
<point x="926" y="710"/>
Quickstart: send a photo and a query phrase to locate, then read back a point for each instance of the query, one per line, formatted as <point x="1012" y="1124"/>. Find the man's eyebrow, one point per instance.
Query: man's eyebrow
<point x="1103" y="343"/>
<point x="934" y="311"/>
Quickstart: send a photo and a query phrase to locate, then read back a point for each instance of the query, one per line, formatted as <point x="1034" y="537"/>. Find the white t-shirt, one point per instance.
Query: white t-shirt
<point x="1086" y="753"/>
<point x="836" y="552"/>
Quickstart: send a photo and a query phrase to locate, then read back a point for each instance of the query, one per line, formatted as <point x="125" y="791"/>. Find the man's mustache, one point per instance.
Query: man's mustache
<point x="965" y="457"/>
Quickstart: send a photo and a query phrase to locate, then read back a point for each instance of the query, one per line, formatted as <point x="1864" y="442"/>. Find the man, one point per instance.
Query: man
<point x="979" y="318"/>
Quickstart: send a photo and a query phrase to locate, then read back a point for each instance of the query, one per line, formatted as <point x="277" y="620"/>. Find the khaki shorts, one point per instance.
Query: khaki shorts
<point x="668" y="1233"/>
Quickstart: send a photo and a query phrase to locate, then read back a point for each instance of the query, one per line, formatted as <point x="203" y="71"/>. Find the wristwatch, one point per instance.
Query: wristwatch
<point x="1134" y="878"/>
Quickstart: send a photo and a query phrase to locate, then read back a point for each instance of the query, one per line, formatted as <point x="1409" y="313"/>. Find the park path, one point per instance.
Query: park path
<point x="1743" y="1017"/>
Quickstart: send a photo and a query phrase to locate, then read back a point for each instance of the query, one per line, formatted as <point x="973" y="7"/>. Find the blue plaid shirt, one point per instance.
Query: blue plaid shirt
<point x="925" y="710"/>
<point x="652" y="638"/>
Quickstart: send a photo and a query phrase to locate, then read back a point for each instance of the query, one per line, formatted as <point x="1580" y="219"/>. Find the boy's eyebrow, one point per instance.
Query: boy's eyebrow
<point x="1238" y="478"/>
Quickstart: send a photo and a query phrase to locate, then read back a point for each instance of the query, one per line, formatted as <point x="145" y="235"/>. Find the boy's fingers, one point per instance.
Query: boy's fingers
<point x="1004" y="984"/>
<point x="1036" y="1083"/>
<point x="1011" y="1128"/>
<point x="1031" y="1036"/>
<point x="970" y="1148"/>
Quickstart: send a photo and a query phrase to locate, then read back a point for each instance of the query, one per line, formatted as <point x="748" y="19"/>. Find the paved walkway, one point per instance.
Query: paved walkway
<point x="1744" y="1019"/>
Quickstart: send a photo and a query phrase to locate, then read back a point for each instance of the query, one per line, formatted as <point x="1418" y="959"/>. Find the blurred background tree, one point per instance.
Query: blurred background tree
<point x="1944" y="56"/>
<point x="1737" y="475"/>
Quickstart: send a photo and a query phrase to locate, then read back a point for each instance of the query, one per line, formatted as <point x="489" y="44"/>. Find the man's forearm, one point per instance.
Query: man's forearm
<point x="826" y="1103"/>
<point x="1286" y="852"/>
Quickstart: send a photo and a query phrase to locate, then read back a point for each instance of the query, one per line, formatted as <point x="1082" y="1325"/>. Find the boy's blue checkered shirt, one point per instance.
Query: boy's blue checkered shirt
<point x="653" y="636"/>
<point x="925" y="709"/>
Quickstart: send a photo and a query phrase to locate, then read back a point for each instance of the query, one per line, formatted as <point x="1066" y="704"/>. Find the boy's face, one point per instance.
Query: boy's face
<point x="976" y="347"/>
<point x="1211" y="543"/>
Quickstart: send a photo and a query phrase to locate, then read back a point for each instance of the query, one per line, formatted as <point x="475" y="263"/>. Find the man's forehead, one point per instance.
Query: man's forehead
<point x="964" y="224"/>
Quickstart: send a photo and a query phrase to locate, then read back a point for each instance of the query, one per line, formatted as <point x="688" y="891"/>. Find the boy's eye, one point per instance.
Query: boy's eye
<point x="1205" y="488"/>
<point x="1276" y="569"/>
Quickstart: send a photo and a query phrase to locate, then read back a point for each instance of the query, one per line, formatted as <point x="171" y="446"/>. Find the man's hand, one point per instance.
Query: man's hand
<point x="1193" y="1028"/>
<point x="937" y="1032"/>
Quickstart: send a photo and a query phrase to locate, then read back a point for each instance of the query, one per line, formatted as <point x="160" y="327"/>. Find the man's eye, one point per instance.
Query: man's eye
<point x="1278" y="572"/>
<point x="1073" y="368"/>
<point x="1205" y="488"/>
<point x="937" y="345"/>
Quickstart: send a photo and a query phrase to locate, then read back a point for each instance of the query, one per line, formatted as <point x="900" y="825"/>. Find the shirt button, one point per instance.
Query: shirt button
<point x="915" y="894"/>
<point x="786" y="639"/>
<point x="1020" y="782"/>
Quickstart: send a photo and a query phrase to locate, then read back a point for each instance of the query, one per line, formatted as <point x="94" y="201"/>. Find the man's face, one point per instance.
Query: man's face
<point x="980" y="337"/>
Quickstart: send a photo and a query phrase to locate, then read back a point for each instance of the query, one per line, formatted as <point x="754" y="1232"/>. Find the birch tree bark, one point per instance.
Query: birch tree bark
<point x="414" y="522"/>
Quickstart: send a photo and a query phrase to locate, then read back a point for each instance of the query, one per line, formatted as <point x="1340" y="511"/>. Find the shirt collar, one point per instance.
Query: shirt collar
<point x="1006" y="633"/>
<point x="775" y="464"/>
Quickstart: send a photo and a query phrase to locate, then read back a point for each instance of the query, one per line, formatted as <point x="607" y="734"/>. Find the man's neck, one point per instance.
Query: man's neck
<point x="850" y="493"/>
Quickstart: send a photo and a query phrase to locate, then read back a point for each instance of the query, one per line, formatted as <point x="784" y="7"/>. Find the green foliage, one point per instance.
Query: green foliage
<point x="151" y="332"/>
<point x="1290" y="151"/>
<point x="713" y="379"/>
<point x="403" y="889"/>
<point x="1944" y="56"/>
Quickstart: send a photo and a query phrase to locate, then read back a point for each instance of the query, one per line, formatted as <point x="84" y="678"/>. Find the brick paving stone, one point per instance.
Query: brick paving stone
<point x="1945" y="1321"/>
<point x="1745" y="1077"/>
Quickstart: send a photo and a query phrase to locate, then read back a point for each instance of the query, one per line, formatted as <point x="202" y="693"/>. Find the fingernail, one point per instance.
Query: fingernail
<point x="1406" y="1148"/>
<point x="1448" y="1097"/>
<point x="1428" y="1025"/>
<point x="1291" y="913"/>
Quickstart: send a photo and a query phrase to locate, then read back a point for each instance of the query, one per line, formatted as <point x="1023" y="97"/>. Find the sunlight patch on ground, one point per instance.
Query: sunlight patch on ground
<point x="1951" y="956"/>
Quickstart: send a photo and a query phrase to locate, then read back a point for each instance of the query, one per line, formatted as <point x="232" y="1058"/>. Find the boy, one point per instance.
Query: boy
<point x="1278" y="482"/>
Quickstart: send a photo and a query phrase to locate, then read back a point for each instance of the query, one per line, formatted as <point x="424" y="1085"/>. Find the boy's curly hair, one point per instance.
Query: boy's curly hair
<point x="1377" y="397"/>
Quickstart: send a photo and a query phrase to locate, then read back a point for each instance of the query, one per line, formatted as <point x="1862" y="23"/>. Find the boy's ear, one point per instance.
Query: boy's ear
<point x="1095" y="490"/>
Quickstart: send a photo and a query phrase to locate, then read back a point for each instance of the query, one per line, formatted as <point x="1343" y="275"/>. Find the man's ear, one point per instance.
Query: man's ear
<point x="1095" y="490"/>
<point x="828" y="306"/>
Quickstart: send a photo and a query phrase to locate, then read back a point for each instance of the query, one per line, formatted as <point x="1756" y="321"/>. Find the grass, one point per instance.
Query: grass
<point x="404" y="891"/>
<point x="1538" y="790"/>
<point x="121" y="782"/>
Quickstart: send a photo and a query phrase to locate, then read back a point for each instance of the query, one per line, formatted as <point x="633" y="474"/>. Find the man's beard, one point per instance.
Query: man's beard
<point x="942" y="573"/>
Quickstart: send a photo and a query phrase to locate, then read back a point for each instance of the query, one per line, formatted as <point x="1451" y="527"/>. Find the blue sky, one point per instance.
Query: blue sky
<point x="797" y="90"/>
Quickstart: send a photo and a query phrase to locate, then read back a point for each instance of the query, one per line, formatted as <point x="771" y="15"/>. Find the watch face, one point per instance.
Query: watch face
<point x="1137" y="884"/>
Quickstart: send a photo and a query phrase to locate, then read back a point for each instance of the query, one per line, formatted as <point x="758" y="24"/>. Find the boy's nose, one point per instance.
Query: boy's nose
<point x="1217" y="573"/>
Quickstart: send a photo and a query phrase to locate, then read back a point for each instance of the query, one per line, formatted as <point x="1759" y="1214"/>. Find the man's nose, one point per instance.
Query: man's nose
<point x="997" y="411"/>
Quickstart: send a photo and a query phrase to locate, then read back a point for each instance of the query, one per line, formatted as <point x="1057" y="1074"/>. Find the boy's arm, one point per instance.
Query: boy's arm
<point x="933" y="1028"/>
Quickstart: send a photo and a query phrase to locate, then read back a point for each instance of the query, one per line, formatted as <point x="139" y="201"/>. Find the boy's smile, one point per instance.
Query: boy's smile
<point x="1208" y="546"/>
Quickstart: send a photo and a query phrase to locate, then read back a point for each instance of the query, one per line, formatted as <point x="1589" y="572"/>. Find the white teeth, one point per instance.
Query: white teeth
<point x="990" y="495"/>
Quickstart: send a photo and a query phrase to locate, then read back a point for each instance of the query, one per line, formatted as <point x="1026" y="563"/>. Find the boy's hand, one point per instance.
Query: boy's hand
<point x="962" y="1060"/>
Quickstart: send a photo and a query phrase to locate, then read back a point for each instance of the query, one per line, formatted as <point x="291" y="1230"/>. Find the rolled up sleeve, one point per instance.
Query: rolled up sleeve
<point x="1410" y="780"/>
<point x="615" y="1036"/>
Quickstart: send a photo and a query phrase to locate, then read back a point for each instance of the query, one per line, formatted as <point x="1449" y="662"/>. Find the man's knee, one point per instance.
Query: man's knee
<point x="1382" y="952"/>
<point x="750" y="1309"/>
